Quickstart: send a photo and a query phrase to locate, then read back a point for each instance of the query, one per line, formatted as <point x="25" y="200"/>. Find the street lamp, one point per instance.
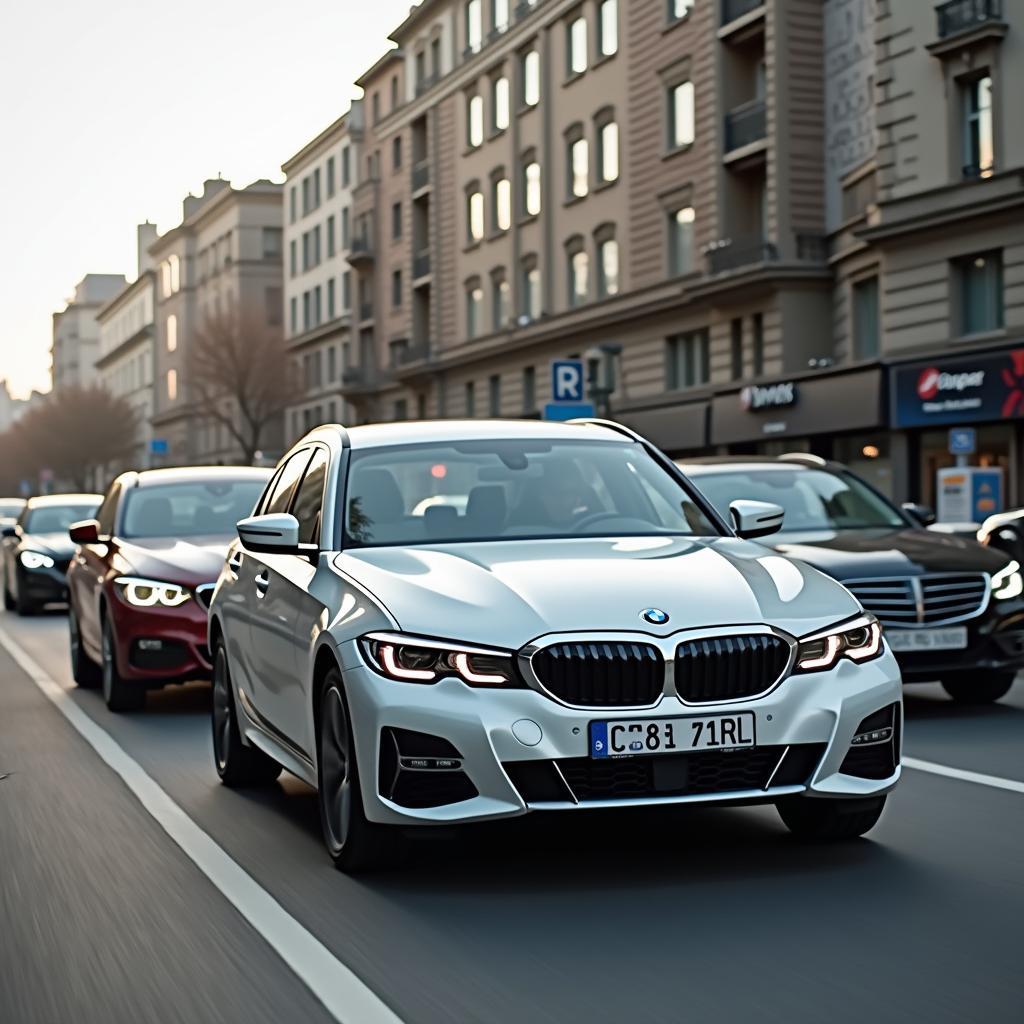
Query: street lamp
<point x="601" y="375"/>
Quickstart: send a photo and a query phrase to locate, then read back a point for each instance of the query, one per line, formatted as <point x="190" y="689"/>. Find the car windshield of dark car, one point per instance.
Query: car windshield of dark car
<point x="811" y="498"/>
<point x="505" y="489"/>
<point x="10" y="511"/>
<point x="190" y="508"/>
<point x="56" y="518"/>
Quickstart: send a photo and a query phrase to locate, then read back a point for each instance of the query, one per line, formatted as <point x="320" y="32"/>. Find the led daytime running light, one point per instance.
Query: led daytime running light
<point x="36" y="560"/>
<point x="465" y="669"/>
<point x="1008" y="582"/>
<point x="150" y="593"/>
<point x="390" y="663"/>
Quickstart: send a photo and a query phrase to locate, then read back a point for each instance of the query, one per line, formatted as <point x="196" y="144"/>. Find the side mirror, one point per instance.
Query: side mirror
<point x="277" y="533"/>
<point x="8" y="531"/>
<point x="752" y="519"/>
<point x="87" y="531"/>
<point x="919" y="513"/>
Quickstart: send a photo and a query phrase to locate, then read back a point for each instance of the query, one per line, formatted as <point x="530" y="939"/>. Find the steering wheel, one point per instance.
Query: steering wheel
<point x="594" y="517"/>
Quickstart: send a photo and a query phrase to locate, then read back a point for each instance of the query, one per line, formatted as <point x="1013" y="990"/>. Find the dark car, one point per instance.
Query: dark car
<point x="36" y="550"/>
<point x="143" y="576"/>
<point x="952" y="609"/>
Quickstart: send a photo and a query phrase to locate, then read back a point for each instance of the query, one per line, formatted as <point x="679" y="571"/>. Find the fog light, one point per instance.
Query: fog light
<point x="151" y="645"/>
<point x="431" y="764"/>
<point x="874" y="736"/>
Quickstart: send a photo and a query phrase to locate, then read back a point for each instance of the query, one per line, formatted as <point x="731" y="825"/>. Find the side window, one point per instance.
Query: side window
<point x="261" y="505"/>
<point x="291" y="473"/>
<point x="309" y="501"/>
<point x="107" y="512"/>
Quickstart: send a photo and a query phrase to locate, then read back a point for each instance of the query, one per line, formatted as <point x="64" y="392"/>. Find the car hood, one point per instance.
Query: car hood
<point x="856" y="554"/>
<point x="57" y="545"/>
<point x="506" y="594"/>
<point x="190" y="561"/>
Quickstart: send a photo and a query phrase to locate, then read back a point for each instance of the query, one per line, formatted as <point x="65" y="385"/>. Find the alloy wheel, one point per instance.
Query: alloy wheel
<point x="107" y="651"/>
<point x="222" y="712"/>
<point x="335" y="770"/>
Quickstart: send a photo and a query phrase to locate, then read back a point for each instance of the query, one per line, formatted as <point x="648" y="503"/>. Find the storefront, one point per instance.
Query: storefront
<point x="984" y="390"/>
<point x="837" y="415"/>
<point x="679" y="429"/>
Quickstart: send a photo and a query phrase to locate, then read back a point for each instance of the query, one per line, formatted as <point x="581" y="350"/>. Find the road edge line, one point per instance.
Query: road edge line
<point x="961" y="774"/>
<point x="344" y="995"/>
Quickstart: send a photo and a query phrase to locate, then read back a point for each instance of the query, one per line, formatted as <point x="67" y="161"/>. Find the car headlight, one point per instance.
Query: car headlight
<point x="413" y="660"/>
<point x="1008" y="582"/>
<point x="859" y="640"/>
<point x="37" y="560"/>
<point x="149" y="593"/>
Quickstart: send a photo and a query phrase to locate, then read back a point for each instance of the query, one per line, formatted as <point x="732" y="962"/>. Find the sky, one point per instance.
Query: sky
<point x="113" y="110"/>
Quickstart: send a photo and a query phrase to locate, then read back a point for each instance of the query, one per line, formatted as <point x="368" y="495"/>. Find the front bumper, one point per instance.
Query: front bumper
<point x="44" y="585"/>
<point x="822" y="709"/>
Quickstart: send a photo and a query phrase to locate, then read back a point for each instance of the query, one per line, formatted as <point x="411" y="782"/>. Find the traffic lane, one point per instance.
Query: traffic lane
<point x="636" y="916"/>
<point x="987" y="738"/>
<point x="104" y="918"/>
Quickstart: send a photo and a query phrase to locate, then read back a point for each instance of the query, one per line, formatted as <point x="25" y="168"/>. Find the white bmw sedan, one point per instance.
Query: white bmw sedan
<point x="572" y="626"/>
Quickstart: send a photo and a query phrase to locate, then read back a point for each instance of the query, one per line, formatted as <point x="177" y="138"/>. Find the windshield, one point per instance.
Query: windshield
<point x="189" y="509"/>
<point x="811" y="498"/>
<point x="501" y="490"/>
<point x="56" y="518"/>
<point x="10" y="510"/>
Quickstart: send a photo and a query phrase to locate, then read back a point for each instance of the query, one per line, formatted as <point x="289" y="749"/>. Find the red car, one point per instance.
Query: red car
<point x="143" y="573"/>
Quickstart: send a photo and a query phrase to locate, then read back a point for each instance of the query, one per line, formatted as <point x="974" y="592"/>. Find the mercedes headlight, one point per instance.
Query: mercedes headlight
<point x="150" y="593"/>
<point x="413" y="660"/>
<point x="1008" y="582"/>
<point x="37" y="560"/>
<point x="859" y="640"/>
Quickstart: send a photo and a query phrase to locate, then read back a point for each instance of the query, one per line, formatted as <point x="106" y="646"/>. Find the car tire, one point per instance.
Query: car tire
<point x="119" y="694"/>
<point x="827" y="820"/>
<point x="85" y="672"/>
<point x="8" y="597"/>
<point x="22" y="605"/>
<point x="978" y="688"/>
<point x="238" y="765"/>
<point x="354" y="843"/>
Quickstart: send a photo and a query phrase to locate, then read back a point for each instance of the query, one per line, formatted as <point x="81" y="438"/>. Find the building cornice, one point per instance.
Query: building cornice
<point x="332" y="134"/>
<point x="144" y="333"/>
<point x="339" y="326"/>
<point x="147" y="277"/>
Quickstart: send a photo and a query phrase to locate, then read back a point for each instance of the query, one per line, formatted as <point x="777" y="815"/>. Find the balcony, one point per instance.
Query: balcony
<point x="420" y="265"/>
<point x="525" y="8"/>
<point x="405" y="354"/>
<point x="420" y="175"/>
<point x="745" y="126"/>
<point x="361" y="251"/>
<point x="733" y="9"/>
<point x="742" y="20"/>
<point x="727" y="254"/>
<point x="427" y="82"/>
<point x="967" y="22"/>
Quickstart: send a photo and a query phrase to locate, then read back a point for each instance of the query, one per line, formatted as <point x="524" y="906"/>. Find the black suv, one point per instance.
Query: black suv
<point x="952" y="609"/>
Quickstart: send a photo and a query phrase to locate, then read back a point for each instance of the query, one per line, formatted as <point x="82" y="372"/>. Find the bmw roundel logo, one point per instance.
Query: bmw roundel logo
<point x="655" y="616"/>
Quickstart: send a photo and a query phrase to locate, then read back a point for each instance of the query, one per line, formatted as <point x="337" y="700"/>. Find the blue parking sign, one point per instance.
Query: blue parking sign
<point x="567" y="380"/>
<point x="962" y="440"/>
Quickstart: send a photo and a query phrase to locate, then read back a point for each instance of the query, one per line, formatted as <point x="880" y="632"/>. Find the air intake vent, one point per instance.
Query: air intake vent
<point x="721" y="668"/>
<point x="601" y="675"/>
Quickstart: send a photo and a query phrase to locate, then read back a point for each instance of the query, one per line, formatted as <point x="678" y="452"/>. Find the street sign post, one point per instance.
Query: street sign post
<point x="158" y="446"/>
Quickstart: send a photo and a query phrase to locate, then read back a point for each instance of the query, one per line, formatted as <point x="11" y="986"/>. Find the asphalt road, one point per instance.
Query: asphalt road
<point x="693" y="915"/>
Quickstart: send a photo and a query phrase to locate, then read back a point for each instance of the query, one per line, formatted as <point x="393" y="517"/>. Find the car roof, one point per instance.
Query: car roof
<point x="44" y="500"/>
<point x="189" y="474"/>
<point x="378" y="435"/>
<point x="721" y="463"/>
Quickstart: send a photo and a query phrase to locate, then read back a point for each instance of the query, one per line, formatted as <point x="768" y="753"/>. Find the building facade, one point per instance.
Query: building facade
<point x="318" y="280"/>
<point x="223" y="260"/>
<point x="76" y="335"/>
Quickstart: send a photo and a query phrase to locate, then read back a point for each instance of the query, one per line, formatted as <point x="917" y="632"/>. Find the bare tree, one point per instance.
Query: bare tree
<point x="239" y="374"/>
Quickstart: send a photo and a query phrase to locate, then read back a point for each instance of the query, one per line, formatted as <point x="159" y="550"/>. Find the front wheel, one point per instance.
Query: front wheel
<point x="354" y="843"/>
<point x="237" y="765"/>
<point x="8" y="598"/>
<point x="22" y="604"/>
<point x="119" y="694"/>
<point x="830" y="820"/>
<point x="978" y="688"/>
<point x="85" y="672"/>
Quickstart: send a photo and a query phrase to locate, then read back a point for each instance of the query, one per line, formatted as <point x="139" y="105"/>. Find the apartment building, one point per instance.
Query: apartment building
<point x="125" y="362"/>
<point x="224" y="258"/>
<point x="76" y="335"/>
<point x="320" y="307"/>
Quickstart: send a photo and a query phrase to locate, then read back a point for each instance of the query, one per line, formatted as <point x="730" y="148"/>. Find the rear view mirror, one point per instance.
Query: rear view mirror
<point x="752" y="519"/>
<point x="919" y="513"/>
<point x="277" y="533"/>
<point x="86" y="531"/>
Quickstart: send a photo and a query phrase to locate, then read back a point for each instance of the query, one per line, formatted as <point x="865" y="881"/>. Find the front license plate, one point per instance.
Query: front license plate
<point x="954" y="638"/>
<point x="632" y="737"/>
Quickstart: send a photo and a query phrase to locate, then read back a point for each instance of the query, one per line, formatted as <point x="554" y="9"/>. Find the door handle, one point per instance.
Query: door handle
<point x="235" y="563"/>
<point x="262" y="581"/>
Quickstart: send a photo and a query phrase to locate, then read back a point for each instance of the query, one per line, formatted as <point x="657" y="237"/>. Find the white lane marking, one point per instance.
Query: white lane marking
<point x="964" y="776"/>
<point x="345" y="996"/>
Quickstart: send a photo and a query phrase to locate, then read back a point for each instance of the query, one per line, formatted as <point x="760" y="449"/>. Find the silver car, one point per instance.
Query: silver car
<point x="572" y="627"/>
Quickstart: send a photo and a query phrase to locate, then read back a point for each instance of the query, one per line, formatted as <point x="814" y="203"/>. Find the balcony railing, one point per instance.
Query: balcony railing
<point x="355" y="376"/>
<point x="733" y="9"/>
<point x="745" y="125"/>
<point x="812" y="248"/>
<point x="420" y="175"/>
<point x="427" y="82"/>
<point x="361" y="250"/>
<point x="958" y="16"/>
<point x="727" y="254"/>
<point x="404" y="353"/>
<point x="421" y="265"/>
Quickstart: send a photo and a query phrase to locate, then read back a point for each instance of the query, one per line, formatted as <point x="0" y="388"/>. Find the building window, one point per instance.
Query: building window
<point x="501" y="300"/>
<point x="330" y="237"/>
<point x="292" y="204"/>
<point x="272" y="242"/>
<point x="396" y="289"/>
<point x="475" y="123"/>
<point x="375" y="106"/>
<point x="346" y="168"/>
<point x="317" y="306"/>
<point x="736" y="348"/>
<point x="172" y="333"/>
<point x="332" y="367"/>
<point x="681" y="240"/>
<point x="866" y="322"/>
<point x="531" y="188"/>
<point x="172" y="385"/>
<point x="475" y="215"/>
<point x="174" y="274"/>
<point x="579" y="273"/>
<point x="272" y="306"/>
<point x="979" y="153"/>
<point x="470" y="398"/>
<point x="608" y="151"/>
<point x="401" y="409"/>
<point x="330" y="177"/>
<point x="474" y="308"/>
<point x="576" y="46"/>
<point x="608" y="28"/>
<point x="578" y="163"/>
<point x="678" y="9"/>
<point x="292" y="258"/>
<point x="502" y="204"/>
<point x="494" y="395"/>
<point x="687" y="360"/>
<point x="980" y="292"/>
<point x="396" y="220"/>
<point x="531" y="296"/>
<point x="680" y="115"/>
<point x="500" y="103"/>
<point x="316" y="188"/>
<point x="346" y="290"/>
<point x="607" y="267"/>
<point x="332" y="301"/>
<point x="531" y="78"/>
<point x="529" y="389"/>
<point x="757" y="344"/>
<point x="293" y="314"/>
<point x="345" y="228"/>
<point x="474" y="26"/>
<point x="396" y="152"/>
<point x="499" y="15"/>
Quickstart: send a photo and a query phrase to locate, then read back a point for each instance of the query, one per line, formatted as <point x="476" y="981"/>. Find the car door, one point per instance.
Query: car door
<point x="271" y="614"/>
<point x="88" y="568"/>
